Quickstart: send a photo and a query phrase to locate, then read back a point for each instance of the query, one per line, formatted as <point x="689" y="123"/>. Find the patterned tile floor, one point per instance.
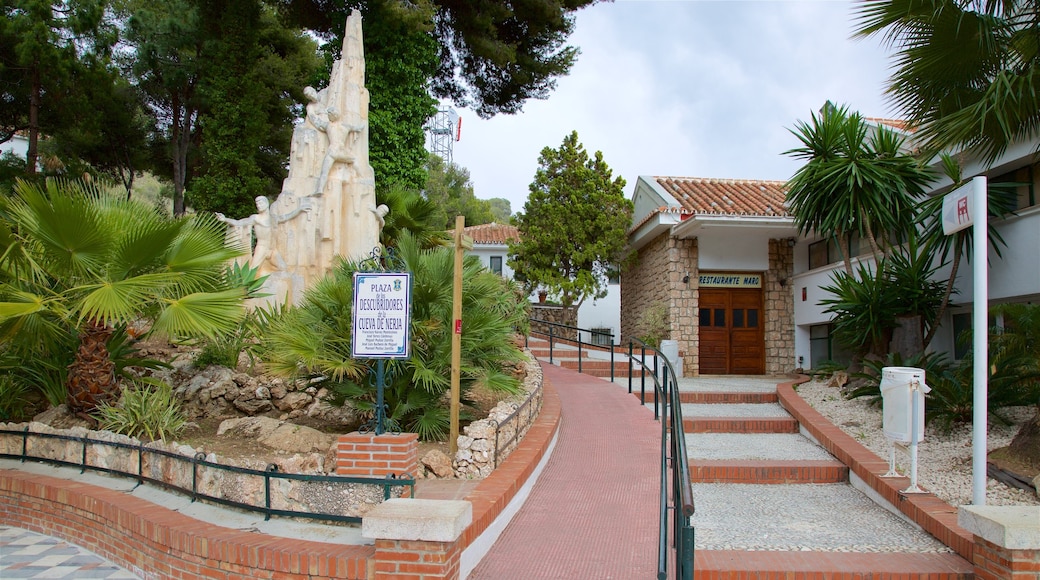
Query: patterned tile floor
<point x="25" y="554"/>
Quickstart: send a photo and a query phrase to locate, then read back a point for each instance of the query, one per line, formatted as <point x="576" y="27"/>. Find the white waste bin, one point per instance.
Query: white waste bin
<point x="670" y="350"/>
<point x="897" y="401"/>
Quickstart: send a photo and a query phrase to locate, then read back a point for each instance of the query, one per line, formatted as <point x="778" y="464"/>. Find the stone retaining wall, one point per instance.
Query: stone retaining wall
<point x="486" y="443"/>
<point x="322" y="497"/>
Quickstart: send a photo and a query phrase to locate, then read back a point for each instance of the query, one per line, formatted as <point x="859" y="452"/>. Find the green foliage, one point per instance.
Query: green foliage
<point x="574" y="224"/>
<point x="855" y="179"/>
<point x="314" y="339"/>
<point x="252" y="68"/>
<point x="78" y="262"/>
<point x="493" y="56"/>
<point x="449" y="190"/>
<point x="654" y="324"/>
<point x="13" y="401"/>
<point x="500" y="209"/>
<point x="964" y="72"/>
<point x="412" y="213"/>
<point x="147" y="410"/>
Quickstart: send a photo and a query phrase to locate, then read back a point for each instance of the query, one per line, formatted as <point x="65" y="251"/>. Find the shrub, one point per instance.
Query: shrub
<point x="147" y="410"/>
<point x="314" y="339"/>
<point x="654" y="324"/>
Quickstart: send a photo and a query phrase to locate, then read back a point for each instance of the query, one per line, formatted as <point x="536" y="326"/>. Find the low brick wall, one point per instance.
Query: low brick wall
<point x="156" y="543"/>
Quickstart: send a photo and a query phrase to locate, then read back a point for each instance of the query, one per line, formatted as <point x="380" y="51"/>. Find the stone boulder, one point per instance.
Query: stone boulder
<point x="257" y="427"/>
<point x="438" y="463"/>
<point x="297" y="439"/>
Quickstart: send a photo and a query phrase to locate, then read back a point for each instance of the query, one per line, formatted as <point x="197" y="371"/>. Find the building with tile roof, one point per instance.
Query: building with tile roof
<point x="491" y="246"/>
<point x="743" y="289"/>
<point x="719" y="243"/>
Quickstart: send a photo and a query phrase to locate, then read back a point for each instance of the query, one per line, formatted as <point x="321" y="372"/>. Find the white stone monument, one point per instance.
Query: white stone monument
<point x="327" y="206"/>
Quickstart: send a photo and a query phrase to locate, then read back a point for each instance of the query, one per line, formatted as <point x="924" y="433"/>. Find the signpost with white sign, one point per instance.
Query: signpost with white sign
<point x="382" y="318"/>
<point x="963" y="207"/>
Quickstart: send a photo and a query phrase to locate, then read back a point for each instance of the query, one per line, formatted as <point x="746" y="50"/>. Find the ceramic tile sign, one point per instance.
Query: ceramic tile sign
<point x="382" y="313"/>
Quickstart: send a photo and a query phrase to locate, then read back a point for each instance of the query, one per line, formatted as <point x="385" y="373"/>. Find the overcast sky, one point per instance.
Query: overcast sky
<point x="685" y="88"/>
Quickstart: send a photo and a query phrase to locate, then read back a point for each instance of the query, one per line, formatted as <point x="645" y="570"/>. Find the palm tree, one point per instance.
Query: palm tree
<point x="314" y="339"/>
<point x="855" y="180"/>
<point x="410" y="212"/>
<point x="76" y="260"/>
<point x="967" y="72"/>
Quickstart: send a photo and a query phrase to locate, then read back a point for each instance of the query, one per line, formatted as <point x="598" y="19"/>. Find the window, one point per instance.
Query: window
<point x="823" y="347"/>
<point x="826" y="251"/>
<point x="961" y="343"/>
<point x="601" y="336"/>
<point x="1017" y="184"/>
<point x="495" y="264"/>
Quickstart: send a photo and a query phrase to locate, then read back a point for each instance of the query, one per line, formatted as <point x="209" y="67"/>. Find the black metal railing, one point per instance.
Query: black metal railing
<point x="523" y="416"/>
<point x="559" y="333"/>
<point x="676" y="491"/>
<point x="199" y="462"/>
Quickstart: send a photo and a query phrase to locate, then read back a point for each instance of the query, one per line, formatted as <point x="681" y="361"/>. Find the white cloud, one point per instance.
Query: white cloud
<point x="703" y="89"/>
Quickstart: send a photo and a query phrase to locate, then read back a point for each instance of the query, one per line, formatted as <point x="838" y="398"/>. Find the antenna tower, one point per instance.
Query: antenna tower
<point x="444" y="129"/>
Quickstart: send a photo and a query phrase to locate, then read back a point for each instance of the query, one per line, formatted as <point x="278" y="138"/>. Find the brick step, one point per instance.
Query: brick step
<point x="740" y="425"/>
<point x="768" y="565"/>
<point x="771" y="471"/>
<point x="732" y="398"/>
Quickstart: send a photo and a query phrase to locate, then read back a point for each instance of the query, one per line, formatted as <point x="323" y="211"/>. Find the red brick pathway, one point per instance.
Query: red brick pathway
<point x="593" y="511"/>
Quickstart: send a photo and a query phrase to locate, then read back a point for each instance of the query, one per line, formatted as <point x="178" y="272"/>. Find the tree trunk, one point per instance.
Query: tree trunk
<point x="946" y="297"/>
<point x="33" y="153"/>
<point x="92" y="376"/>
<point x="906" y="337"/>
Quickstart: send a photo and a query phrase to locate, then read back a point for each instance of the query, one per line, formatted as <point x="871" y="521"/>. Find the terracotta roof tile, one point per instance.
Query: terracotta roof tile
<point x="492" y="233"/>
<point x="736" y="197"/>
<point x="897" y="124"/>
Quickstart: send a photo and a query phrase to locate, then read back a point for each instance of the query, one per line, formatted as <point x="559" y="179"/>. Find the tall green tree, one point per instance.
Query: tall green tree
<point x="573" y="227"/>
<point x="43" y="44"/>
<point x="494" y="55"/>
<point x="966" y="72"/>
<point x="77" y="261"/>
<point x="222" y="80"/>
<point x="449" y="189"/>
<point x="856" y="180"/>
<point x="501" y="209"/>
<point x="253" y="71"/>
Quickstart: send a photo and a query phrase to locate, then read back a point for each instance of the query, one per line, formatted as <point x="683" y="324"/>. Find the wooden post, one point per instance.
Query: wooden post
<point x="456" y="337"/>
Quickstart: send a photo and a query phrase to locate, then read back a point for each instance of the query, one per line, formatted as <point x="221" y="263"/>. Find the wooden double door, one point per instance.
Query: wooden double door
<point x="732" y="338"/>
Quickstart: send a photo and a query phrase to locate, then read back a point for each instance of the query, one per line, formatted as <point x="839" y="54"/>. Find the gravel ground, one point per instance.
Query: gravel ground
<point x="944" y="459"/>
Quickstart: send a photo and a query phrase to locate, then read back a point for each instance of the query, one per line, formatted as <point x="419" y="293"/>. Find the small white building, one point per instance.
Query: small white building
<point x="491" y="246"/>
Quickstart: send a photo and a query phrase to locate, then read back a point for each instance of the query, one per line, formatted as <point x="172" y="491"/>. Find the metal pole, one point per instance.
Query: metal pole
<point x="980" y="412"/>
<point x="380" y="384"/>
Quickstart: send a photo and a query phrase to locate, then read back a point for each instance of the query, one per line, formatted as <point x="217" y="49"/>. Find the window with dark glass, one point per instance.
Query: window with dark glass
<point x="495" y="264"/>
<point x="738" y="318"/>
<point x="752" y="318"/>
<point x="705" y="316"/>
<point x="720" y="317"/>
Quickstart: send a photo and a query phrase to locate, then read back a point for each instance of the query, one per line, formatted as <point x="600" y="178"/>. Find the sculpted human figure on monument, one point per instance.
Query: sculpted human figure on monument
<point x="342" y="139"/>
<point x="261" y="225"/>
<point x="309" y="140"/>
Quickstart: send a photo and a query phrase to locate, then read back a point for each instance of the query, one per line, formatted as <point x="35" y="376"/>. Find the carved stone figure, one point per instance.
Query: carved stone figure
<point x="330" y="178"/>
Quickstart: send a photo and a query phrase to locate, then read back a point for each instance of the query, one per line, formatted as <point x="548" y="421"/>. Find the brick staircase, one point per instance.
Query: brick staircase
<point x="721" y="425"/>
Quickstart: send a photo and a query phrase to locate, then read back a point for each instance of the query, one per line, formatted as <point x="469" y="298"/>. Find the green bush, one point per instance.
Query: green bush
<point x="314" y="339"/>
<point x="13" y="401"/>
<point x="654" y="324"/>
<point x="147" y="410"/>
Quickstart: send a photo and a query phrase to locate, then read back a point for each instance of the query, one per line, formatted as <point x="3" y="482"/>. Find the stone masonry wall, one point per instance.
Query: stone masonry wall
<point x="779" y="309"/>
<point x="557" y="314"/>
<point x="656" y="276"/>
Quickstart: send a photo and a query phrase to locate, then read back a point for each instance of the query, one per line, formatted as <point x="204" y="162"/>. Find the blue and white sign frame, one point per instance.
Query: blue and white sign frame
<point x="382" y="315"/>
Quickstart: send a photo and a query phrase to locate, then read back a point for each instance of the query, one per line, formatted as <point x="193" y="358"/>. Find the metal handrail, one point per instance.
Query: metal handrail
<point x="592" y="346"/>
<point x="673" y="450"/>
<point x="527" y="405"/>
<point x="271" y="472"/>
<point x="676" y="494"/>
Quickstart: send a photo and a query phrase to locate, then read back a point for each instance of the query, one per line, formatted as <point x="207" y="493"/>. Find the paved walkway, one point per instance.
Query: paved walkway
<point x="25" y="554"/>
<point x="593" y="511"/>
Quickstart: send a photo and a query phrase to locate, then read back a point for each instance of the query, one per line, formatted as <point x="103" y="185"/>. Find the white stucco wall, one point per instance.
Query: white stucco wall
<point x="602" y="313"/>
<point x="18" y="145"/>
<point x="485" y="251"/>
